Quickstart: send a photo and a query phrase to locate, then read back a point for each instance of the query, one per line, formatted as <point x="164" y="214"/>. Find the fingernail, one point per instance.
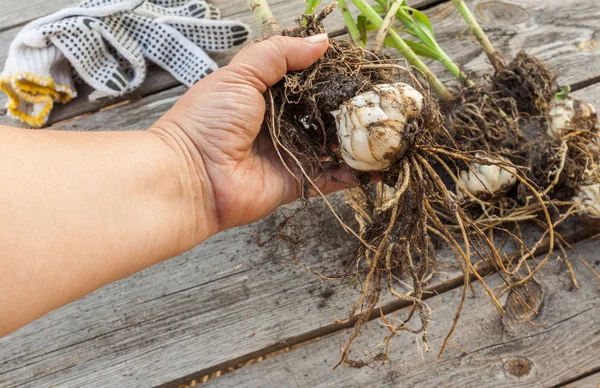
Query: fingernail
<point x="317" y="38"/>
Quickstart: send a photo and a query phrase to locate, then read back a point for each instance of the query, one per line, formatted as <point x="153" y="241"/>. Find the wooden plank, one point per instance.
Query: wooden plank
<point x="179" y="317"/>
<point x="17" y="13"/>
<point x="561" y="342"/>
<point x="157" y="79"/>
<point x="592" y="381"/>
<point x="203" y="309"/>
<point x="510" y="26"/>
<point x="590" y="94"/>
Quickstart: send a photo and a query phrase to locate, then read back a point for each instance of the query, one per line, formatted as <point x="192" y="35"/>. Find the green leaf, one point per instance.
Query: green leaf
<point x="418" y="26"/>
<point x="380" y="9"/>
<point x="422" y="50"/>
<point x="422" y="20"/>
<point x="311" y="6"/>
<point x="418" y="48"/>
<point x="563" y="93"/>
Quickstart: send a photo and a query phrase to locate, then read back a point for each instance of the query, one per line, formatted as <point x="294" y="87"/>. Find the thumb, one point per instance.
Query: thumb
<point x="269" y="60"/>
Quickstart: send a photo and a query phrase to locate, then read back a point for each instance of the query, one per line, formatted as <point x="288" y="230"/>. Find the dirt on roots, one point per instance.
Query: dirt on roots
<point x="395" y="238"/>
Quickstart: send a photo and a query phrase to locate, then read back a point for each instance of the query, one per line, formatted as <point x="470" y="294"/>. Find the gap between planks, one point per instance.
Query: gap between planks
<point x="154" y="93"/>
<point x="592" y="377"/>
<point x="517" y="336"/>
<point x="388" y="308"/>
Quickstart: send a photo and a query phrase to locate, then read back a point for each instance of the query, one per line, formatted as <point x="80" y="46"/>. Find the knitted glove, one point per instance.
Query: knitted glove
<point x="106" y="42"/>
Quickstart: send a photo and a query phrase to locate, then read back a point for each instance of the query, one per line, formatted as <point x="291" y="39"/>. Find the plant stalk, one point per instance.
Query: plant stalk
<point x="264" y="17"/>
<point x="456" y="70"/>
<point x="398" y="43"/>
<point x="387" y="22"/>
<point x="495" y="58"/>
<point x="311" y="6"/>
<point x="444" y="59"/>
<point x="350" y="23"/>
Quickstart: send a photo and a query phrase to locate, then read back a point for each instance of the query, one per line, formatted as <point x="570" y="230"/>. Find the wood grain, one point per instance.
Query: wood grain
<point x="557" y="344"/>
<point x="590" y="94"/>
<point x="592" y="381"/>
<point x="512" y="27"/>
<point x="219" y="302"/>
<point x="16" y="13"/>
<point x="551" y="30"/>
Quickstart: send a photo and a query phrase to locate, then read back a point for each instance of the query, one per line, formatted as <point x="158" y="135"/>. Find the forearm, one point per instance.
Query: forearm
<point x="80" y="210"/>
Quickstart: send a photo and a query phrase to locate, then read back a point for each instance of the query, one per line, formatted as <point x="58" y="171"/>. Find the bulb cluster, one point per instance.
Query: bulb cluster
<point x="371" y="126"/>
<point x="483" y="180"/>
<point x="563" y="113"/>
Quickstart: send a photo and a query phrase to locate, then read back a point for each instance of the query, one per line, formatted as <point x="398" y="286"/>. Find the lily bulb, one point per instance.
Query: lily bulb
<point x="370" y="126"/>
<point x="483" y="180"/>
<point x="589" y="197"/>
<point x="564" y="112"/>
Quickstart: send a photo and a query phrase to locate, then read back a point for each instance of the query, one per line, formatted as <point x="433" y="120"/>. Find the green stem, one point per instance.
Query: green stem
<point x="264" y="17"/>
<point x="443" y="57"/>
<point x="311" y="6"/>
<point x="350" y="24"/>
<point x="456" y="70"/>
<point x="398" y="43"/>
<point x="495" y="58"/>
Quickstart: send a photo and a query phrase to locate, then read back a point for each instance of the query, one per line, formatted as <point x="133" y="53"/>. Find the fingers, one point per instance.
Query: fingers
<point x="341" y="178"/>
<point x="268" y="61"/>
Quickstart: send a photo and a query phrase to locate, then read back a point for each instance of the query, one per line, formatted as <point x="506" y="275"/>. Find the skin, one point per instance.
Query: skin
<point x="84" y="209"/>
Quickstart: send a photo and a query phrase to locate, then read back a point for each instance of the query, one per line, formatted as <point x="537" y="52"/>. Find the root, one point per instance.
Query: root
<point x="396" y="236"/>
<point x="529" y="82"/>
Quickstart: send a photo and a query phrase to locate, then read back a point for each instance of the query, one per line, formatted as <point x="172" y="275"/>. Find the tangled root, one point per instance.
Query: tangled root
<point x="528" y="81"/>
<point x="480" y="120"/>
<point x="562" y="166"/>
<point x="396" y="248"/>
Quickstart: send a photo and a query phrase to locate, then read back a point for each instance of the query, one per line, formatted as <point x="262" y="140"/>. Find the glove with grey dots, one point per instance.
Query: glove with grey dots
<point x="107" y="42"/>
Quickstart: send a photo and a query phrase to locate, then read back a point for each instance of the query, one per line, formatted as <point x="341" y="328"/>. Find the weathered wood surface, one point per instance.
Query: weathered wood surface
<point x="592" y="381"/>
<point x="157" y="80"/>
<point x="564" y="34"/>
<point x="518" y="349"/>
<point x="590" y="94"/>
<point x="218" y="303"/>
<point x="16" y="13"/>
<point x="561" y="33"/>
<point x="260" y="302"/>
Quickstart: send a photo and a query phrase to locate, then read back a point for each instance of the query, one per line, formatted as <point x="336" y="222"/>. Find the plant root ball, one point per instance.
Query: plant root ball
<point x="482" y="120"/>
<point x="529" y="82"/>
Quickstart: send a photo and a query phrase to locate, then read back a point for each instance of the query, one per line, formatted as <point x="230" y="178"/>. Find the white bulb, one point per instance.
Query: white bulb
<point x="371" y="125"/>
<point x="589" y="197"/>
<point x="563" y="112"/>
<point x="483" y="179"/>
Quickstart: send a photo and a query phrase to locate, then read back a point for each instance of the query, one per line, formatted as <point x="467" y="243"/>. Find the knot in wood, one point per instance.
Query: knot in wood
<point x="518" y="366"/>
<point x="501" y="12"/>
<point x="522" y="306"/>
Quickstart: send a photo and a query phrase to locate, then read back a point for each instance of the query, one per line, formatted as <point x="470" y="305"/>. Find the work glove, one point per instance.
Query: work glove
<point x="106" y="42"/>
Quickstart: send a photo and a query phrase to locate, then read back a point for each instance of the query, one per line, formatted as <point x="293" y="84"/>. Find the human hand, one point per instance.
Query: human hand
<point x="236" y="175"/>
